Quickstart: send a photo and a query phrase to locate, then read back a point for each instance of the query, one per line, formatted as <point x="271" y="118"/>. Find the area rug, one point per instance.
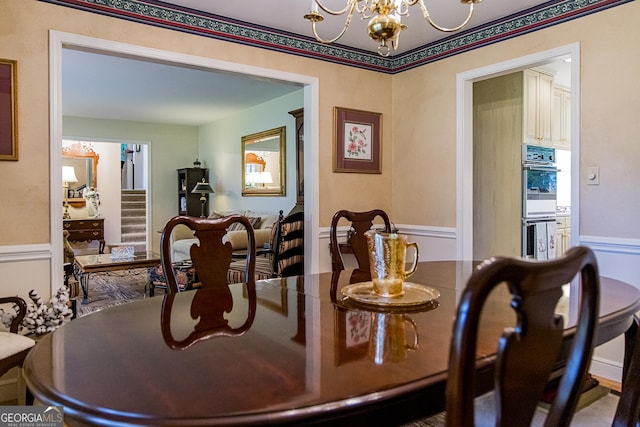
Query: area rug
<point x="112" y="288"/>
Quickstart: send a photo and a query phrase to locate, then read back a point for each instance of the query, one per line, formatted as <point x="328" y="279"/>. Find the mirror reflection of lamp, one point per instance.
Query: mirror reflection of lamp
<point x="252" y="178"/>
<point x="68" y="176"/>
<point x="265" y="178"/>
<point x="203" y="188"/>
<point x="256" y="178"/>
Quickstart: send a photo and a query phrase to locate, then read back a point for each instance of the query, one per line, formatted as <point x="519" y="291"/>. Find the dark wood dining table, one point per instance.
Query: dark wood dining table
<point x="297" y="353"/>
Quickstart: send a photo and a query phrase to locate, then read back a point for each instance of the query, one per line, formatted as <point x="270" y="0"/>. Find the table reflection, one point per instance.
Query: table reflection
<point x="207" y="307"/>
<point x="388" y="342"/>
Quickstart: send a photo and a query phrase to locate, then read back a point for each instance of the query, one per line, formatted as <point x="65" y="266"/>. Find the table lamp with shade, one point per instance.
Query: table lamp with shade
<point x="258" y="178"/>
<point x="68" y="176"/>
<point x="265" y="178"/>
<point x="203" y="188"/>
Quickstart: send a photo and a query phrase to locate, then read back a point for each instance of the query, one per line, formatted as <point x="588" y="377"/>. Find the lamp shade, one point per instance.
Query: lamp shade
<point x="252" y="178"/>
<point x="69" y="174"/>
<point x="202" y="188"/>
<point x="265" y="178"/>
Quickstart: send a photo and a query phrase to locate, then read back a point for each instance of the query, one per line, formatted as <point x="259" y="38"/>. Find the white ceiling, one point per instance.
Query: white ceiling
<point x="109" y="87"/>
<point x="287" y="15"/>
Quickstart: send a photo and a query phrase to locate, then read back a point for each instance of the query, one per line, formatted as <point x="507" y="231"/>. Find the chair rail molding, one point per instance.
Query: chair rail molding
<point x="618" y="258"/>
<point x="435" y="243"/>
<point x="13" y="253"/>
<point x="612" y="244"/>
<point x="413" y="230"/>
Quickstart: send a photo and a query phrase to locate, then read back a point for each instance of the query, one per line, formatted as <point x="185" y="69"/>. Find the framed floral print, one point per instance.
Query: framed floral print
<point x="8" y="110"/>
<point x="357" y="141"/>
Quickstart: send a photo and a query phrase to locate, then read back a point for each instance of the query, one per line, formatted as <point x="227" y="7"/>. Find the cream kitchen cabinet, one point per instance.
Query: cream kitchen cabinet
<point x="537" y="110"/>
<point x="561" y="123"/>
<point x="563" y="234"/>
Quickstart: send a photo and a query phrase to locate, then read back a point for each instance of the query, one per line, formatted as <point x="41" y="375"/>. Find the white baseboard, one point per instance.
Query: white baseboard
<point x="604" y="368"/>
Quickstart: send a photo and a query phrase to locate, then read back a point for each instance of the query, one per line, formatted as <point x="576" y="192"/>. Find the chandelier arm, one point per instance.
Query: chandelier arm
<point x="403" y="8"/>
<point x="349" y="7"/>
<point x="321" y="40"/>
<point x="344" y="29"/>
<point x="425" y="13"/>
<point x="365" y="6"/>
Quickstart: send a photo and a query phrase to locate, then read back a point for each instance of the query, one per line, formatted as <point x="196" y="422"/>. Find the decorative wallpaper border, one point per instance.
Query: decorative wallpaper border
<point x="158" y="13"/>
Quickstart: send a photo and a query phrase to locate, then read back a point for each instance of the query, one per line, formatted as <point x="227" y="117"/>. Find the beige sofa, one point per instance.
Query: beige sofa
<point x="182" y="237"/>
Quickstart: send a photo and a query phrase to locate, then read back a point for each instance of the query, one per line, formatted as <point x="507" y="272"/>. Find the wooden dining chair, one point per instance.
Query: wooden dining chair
<point x="527" y="353"/>
<point x="211" y="257"/>
<point x="13" y="346"/>
<point x="285" y="256"/>
<point x="360" y="223"/>
<point x="628" y="408"/>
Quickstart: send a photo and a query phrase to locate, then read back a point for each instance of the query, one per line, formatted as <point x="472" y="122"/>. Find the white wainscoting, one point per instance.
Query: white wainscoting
<point x="618" y="259"/>
<point x="26" y="267"/>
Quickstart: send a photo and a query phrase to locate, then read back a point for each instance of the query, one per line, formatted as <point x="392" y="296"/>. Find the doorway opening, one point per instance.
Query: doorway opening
<point x="59" y="41"/>
<point x="124" y="202"/>
<point x="465" y="134"/>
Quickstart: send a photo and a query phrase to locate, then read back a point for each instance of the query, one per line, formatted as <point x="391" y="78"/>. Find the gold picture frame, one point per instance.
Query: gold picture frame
<point x="8" y="110"/>
<point x="264" y="163"/>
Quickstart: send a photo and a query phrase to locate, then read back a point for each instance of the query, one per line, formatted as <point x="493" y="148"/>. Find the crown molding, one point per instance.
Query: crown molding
<point x="160" y="14"/>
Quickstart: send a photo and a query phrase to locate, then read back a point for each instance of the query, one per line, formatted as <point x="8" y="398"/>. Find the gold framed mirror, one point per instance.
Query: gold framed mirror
<point x="263" y="163"/>
<point x="84" y="161"/>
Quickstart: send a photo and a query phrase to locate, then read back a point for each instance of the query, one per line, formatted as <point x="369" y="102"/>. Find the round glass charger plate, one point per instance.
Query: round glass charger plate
<point x="414" y="295"/>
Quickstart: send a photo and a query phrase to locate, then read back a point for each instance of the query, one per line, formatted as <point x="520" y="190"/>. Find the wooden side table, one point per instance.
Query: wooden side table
<point x="85" y="230"/>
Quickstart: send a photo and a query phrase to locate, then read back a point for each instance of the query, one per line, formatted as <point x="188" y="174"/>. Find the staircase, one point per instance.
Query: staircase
<point x="133" y="223"/>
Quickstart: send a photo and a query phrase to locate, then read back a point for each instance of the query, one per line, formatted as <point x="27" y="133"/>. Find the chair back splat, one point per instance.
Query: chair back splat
<point x="285" y="256"/>
<point x="288" y="259"/>
<point x="527" y="353"/>
<point x="361" y="222"/>
<point x="628" y="410"/>
<point x="211" y="257"/>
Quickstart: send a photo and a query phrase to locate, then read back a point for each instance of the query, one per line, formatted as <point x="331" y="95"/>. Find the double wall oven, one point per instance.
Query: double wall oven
<point x="539" y="202"/>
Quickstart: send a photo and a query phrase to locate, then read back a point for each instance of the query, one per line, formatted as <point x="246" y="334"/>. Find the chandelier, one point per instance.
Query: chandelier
<point x="384" y="19"/>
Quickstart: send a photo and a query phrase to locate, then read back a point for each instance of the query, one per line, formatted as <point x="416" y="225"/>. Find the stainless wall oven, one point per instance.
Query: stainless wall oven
<point x="540" y="191"/>
<point x="539" y="202"/>
<point x="539" y="238"/>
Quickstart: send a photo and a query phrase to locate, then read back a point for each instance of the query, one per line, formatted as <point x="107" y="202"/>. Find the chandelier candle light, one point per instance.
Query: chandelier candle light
<point x="384" y="19"/>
